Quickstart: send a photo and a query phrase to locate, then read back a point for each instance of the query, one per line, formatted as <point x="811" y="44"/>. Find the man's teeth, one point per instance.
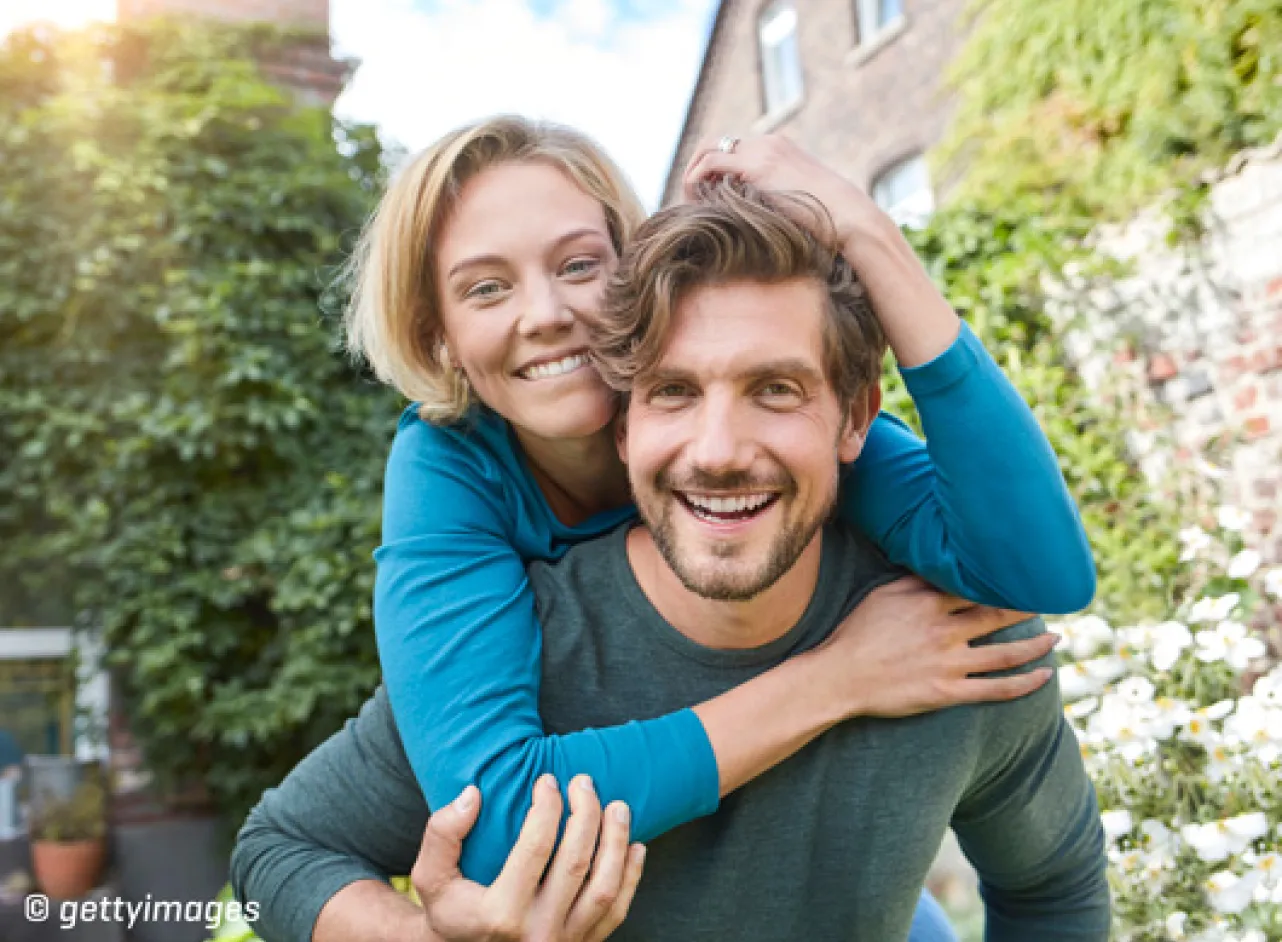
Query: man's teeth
<point x="728" y="505"/>
<point x="555" y="368"/>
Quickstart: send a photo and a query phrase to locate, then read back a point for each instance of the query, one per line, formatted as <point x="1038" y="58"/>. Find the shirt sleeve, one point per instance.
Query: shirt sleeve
<point x="980" y="509"/>
<point x="461" y="651"/>
<point x="349" y="811"/>
<point x="1029" y="821"/>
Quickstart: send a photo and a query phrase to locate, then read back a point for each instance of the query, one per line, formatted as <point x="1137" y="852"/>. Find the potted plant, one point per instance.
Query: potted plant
<point x="68" y="838"/>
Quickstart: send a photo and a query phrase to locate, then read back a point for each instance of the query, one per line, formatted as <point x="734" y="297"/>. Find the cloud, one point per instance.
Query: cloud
<point x="65" y="13"/>
<point x="622" y="73"/>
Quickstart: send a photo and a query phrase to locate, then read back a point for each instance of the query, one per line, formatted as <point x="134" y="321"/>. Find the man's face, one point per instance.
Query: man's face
<point x="733" y="440"/>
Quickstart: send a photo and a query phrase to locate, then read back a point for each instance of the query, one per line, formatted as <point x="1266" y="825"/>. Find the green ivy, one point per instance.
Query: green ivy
<point x="1102" y="106"/>
<point x="188" y="459"/>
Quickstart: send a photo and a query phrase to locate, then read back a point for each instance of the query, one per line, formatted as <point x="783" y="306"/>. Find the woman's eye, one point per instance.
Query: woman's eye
<point x="581" y="266"/>
<point x="483" y="290"/>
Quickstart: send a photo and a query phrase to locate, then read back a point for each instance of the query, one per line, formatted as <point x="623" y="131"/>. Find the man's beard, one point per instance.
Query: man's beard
<point x="720" y="586"/>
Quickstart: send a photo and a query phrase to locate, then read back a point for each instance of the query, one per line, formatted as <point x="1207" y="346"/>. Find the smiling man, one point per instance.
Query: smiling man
<point x="750" y="360"/>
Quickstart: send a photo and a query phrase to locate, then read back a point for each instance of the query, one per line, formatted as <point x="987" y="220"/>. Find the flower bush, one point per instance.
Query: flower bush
<point x="1180" y="725"/>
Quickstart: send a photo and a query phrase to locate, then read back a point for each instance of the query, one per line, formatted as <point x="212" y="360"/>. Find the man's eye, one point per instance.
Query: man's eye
<point x="780" y="391"/>
<point x="670" y="391"/>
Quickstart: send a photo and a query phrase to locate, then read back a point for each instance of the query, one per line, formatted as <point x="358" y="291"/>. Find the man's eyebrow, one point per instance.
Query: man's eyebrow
<point x="793" y="367"/>
<point x="477" y="260"/>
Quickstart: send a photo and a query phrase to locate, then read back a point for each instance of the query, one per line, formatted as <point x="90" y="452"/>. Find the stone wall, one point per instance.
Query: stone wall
<point x="1200" y="331"/>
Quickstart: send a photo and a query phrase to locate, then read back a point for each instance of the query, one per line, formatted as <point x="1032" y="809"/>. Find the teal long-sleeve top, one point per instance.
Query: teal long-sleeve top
<point x="460" y="643"/>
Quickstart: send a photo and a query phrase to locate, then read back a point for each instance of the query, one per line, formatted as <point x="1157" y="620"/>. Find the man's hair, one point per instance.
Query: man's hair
<point x="394" y="318"/>
<point x="733" y="232"/>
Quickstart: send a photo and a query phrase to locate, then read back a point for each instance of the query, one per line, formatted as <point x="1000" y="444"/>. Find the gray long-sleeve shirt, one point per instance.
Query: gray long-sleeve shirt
<point x="833" y="844"/>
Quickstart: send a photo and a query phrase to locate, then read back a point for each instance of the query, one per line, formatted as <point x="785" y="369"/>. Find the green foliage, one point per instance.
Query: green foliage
<point x="993" y="266"/>
<point x="1103" y="106"/>
<point x="188" y="459"/>
<point x="81" y="816"/>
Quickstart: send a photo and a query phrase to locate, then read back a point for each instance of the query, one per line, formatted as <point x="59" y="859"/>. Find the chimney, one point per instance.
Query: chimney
<point x="306" y="69"/>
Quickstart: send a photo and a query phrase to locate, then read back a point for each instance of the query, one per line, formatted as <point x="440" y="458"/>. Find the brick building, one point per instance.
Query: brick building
<point x="858" y="82"/>
<point x="306" y="68"/>
<point x="861" y="83"/>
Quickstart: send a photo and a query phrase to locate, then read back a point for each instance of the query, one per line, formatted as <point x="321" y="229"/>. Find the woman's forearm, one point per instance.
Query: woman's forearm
<point x="762" y="722"/>
<point x="919" y="322"/>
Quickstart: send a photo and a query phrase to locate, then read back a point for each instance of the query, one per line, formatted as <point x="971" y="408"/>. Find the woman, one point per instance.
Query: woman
<point x="473" y="281"/>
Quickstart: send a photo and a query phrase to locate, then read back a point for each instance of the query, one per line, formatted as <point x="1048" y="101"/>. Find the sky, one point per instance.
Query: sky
<point x="621" y="70"/>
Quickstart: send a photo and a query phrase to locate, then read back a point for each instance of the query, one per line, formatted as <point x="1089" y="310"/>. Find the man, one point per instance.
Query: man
<point x="750" y="365"/>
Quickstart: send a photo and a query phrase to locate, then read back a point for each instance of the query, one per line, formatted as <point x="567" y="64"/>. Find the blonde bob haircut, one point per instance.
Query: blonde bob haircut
<point x="393" y="319"/>
<point x="734" y="232"/>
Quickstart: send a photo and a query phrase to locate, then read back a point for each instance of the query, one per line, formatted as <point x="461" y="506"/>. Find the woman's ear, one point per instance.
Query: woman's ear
<point x="863" y="410"/>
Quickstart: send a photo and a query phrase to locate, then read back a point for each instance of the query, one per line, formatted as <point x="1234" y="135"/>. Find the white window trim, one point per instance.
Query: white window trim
<point x="92" y="685"/>
<point x="866" y="49"/>
<point x="21" y="644"/>
<point x="773" y="118"/>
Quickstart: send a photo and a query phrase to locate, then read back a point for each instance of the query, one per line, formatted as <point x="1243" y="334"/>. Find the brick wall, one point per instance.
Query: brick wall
<point x="864" y="107"/>
<point x="308" y="13"/>
<point x="1200" y="330"/>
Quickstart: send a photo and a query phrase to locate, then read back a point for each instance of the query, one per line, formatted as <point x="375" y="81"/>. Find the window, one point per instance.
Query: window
<point x="780" y="58"/>
<point x="875" y="16"/>
<point x="903" y="191"/>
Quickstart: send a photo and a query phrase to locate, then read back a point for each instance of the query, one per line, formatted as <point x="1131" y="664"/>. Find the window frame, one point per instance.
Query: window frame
<point x="888" y="170"/>
<point x="785" y="104"/>
<point x="870" y="34"/>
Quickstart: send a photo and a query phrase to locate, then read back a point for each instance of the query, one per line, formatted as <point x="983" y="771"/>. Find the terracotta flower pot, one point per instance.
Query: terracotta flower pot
<point x="68" y="870"/>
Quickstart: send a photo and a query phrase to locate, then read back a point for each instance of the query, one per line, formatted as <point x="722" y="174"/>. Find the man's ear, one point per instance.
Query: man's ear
<point x="863" y="409"/>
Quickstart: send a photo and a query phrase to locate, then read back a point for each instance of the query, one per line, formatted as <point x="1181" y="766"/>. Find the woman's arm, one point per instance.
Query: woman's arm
<point x="461" y="650"/>
<point x="981" y="509"/>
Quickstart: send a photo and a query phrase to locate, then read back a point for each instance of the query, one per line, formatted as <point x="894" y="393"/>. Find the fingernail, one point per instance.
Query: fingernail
<point x="467" y="799"/>
<point x="583" y="783"/>
<point x="546" y="782"/>
<point x="620" y="812"/>
<point x="640" y="852"/>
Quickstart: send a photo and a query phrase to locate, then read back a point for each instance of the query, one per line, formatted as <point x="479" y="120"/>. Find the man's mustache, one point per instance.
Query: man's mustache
<point x="699" y="479"/>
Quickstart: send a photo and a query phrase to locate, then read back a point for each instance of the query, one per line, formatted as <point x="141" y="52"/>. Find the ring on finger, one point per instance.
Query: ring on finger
<point x="727" y="144"/>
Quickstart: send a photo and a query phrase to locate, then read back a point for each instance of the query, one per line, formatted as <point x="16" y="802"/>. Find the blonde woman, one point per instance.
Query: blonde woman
<point x="473" y="285"/>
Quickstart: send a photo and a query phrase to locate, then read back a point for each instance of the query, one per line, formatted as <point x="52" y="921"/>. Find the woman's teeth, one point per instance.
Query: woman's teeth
<point x="555" y="368"/>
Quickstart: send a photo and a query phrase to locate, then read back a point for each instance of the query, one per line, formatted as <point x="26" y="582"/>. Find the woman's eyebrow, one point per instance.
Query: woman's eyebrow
<point x="476" y="261"/>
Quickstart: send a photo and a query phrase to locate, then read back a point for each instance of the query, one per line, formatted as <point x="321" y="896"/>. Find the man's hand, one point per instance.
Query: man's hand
<point x="906" y="650"/>
<point x="584" y="896"/>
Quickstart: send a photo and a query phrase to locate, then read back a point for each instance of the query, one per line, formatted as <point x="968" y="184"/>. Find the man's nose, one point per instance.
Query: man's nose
<point x="717" y="443"/>
<point x="544" y="311"/>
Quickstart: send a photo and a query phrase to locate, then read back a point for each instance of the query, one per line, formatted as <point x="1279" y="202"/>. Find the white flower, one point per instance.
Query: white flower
<point x="1170" y="639"/>
<point x="1193" y="541"/>
<point x="1213" y="609"/>
<point x="1230" y="642"/>
<point x="1157" y="837"/>
<point x="1231" y="518"/>
<point x="1085" y="635"/>
<point x="1075" y="682"/>
<point x="1268" y="689"/>
<point x="1116" y="824"/>
<point x="1229" y="892"/>
<point x="1082" y="708"/>
<point x="1244" y="564"/>
<point x="1175" y="924"/>
<point x="1136" y="690"/>
<point x="1273" y="582"/>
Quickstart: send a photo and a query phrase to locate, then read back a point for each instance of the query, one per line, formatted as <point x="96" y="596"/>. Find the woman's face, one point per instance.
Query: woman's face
<point x="524" y="254"/>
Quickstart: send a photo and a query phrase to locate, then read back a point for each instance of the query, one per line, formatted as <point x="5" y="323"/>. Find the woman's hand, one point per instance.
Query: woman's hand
<point x="773" y="162"/>
<point x="583" y="897"/>
<point x="906" y="650"/>
<point x="919" y="323"/>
